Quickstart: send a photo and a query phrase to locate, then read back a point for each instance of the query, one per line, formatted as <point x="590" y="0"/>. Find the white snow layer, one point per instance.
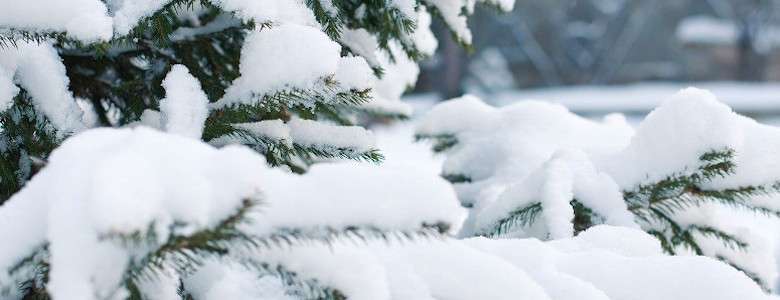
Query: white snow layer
<point x="7" y="90"/>
<point x="281" y="58"/>
<point x="531" y="152"/>
<point x="354" y="73"/>
<point x="335" y="196"/>
<point x="271" y="11"/>
<point x="86" y="20"/>
<point x="92" y="20"/>
<point x="218" y="280"/>
<point x="307" y="133"/>
<point x="185" y="106"/>
<point x="506" y="150"/>
<point x="39" y="70"/>
<point x="127" y="13"/>
<point x="129" y="180"/>
<point x="601" y="263"/>
<point x="289" y="52"/>
<point x="140" y="179"/>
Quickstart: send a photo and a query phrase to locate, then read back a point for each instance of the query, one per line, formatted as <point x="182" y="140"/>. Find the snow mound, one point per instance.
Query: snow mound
<point x="86" y="20"/>
<point x="142" y="181"/>
<point x="524" y="169"/>
<point x="336" y="196"/>
<point x="283" y="57"/>
<point x="128" y="181"/>
<point x="600" y="263"/>
<point x="185" y="106"/>
<point x="39" y="70"/>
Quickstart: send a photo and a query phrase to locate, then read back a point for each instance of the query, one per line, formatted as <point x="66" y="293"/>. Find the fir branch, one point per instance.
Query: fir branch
<point x="297" y="286"/>
<point x="384" y="21"/>
<point x="729" y="240"/>
<point x="11" y="37"/>
<point x="584" y="217"/>
<point x="456" y="178"/>
<point x="29" y="276"/>
<point x="184" y="252"/>
<point x="441" y="142"/>
<point x="357" y="233"/>
<point x="434" y="11"/>
<point x="520" y="217"/>
<point x="753" y="276"/>
<point x="331" y="24"/>
<point x="295" y="155"/>
<point x="26" y="136"/>
<point x="163" y="22"/>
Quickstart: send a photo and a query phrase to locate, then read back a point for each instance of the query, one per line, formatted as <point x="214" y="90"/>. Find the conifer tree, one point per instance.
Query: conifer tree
<point x="291" y="79"/>
<point x="535" y="169"/>
<point x="114" y="68"/>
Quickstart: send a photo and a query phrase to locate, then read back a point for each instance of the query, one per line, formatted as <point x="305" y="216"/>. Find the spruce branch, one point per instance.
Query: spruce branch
<point x="521" y="217"/>
<point x="27" y="138"/>
<point x="441" y="142"/>
<point x="457" y="178"/>
<point x="729" y="240"/>
<point x="183" y="253"/>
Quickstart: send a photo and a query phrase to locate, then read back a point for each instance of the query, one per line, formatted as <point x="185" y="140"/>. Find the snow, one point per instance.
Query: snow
<point x="673" y="136"/>
<point x="399" y="76"/>
<point x="127" y="13"/>
<point x="567" y="175"/>
<point x="532" y="152"/>
<point x="270" y="11"/>
<point x="164" y="182"/>
<point x="355" y="73"/>
<point x="7" y="91"/>
<point x="317" y="134"/>
<point x="130" y="180"/>
<point x="86" y="20"/>
<point x="692" y="122"/>
<point x="339" y="195"/>
<point x="600" y="263"/>
<point x="185" y="181"/>
<point x="273" y="129"/>
<point x="184" y="109"/>
<point x="423" y="36"/>
<point x="218" y="279"/>
<point x="151" y="118"/>
<point x="406" y="7"/>
<point x="282" y="58"/>
<point x="221" y="22"/>
<point x="92" y="20"/>
<point x="451" y="13"/>
<point x="39" y="70"/>
<point x="555" y="194"/>
<point x="306" y="133"/>
<point x="494" y="155"/>
<point x="362" y="43"/>
<point x="588" y="270"/>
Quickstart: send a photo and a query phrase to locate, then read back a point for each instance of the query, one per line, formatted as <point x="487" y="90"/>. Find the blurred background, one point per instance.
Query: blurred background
<point x="617" y="55"/>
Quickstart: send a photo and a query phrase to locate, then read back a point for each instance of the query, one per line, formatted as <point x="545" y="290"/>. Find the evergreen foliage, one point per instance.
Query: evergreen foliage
<point x="673" y="208"/>
<point x="119" y="82"/>
<point x="656" y="206"/>
<point x="120" y="78"/>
